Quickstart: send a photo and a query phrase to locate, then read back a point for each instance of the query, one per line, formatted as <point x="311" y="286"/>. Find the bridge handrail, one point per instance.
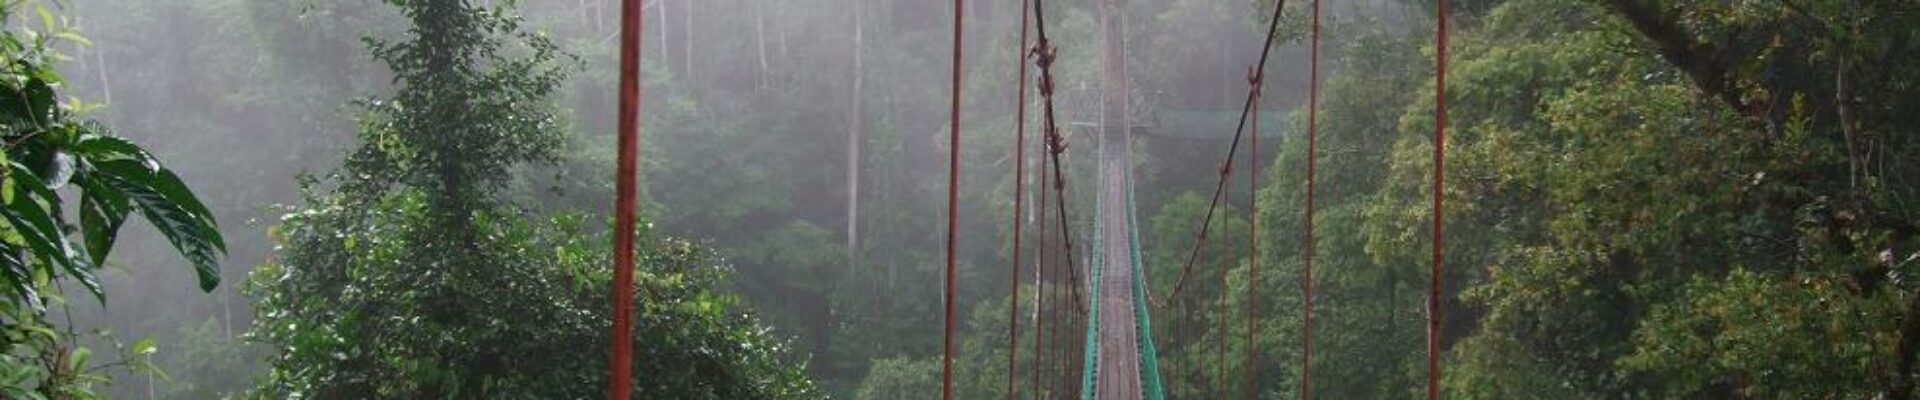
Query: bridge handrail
<point x="1149" y="357"/>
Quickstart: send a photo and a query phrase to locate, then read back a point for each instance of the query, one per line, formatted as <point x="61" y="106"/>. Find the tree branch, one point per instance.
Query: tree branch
<point x="1710" y="70"/>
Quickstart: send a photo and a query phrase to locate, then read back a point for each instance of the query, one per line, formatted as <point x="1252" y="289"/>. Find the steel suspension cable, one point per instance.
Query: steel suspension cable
<point x="1313" y="155"/>
<point x="1066" y="231"/>
<point x="1439" y="186"/>
<point x="953" y="207"/>
<point x="1044" y="55"/>
<point x="620" y="362"/>
<point x="1019" y="194"/>
<point x="1056" y="144"/>
<point x="1219" y="377"/>
<point x="1226" y="165"/>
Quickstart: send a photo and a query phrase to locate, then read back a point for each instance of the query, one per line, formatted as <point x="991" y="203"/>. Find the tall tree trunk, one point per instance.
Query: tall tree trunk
<point x="858" y="124"/>
<point x="1228" y="79"/>
<point x="664" y="54"/>
<point x="784" y="32"/>
<point x="760" y="37"/>
<point x="106" y="85"/>
<point x="687" y="24"/>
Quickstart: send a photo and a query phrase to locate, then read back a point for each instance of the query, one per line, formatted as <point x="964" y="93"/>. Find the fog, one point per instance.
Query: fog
<point x="805" y="143"/>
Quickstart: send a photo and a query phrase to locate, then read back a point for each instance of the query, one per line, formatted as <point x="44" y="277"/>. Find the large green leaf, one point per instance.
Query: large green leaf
<point x="98" y="147"/>
<point x="37" y="227"/>
<point x="102" y="211"/>
<point x="119" y="177"/>
<point x="19" y="276"/>
<point x="159" y="196"/>
<point x="29" y="100"/>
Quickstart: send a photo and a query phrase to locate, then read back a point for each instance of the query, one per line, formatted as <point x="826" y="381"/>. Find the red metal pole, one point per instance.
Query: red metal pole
<point x="1224" y="334"/>
<point x="1019" y="195"/>
<point x="1313" y="155"/>
<point x="1439" y="186"/>
<point x="1249" y="369"/>
<point x="953" y="201"/>
<point x="620" y="384"/>
<point x="1040" y="298"/>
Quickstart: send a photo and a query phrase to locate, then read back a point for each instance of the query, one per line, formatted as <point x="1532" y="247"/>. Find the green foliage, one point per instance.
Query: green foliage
<point x="466" y="110"/>
<point x="1759" y="347"/>
<point x="50" y="145"/>
<point x="539" y="302"/>
<point x="202" y="360"/>
<point x="411" y="279"/>
<point x="901" y="378"/>
<point x="1617" y="227"/>
<point x="1494" y="367"/>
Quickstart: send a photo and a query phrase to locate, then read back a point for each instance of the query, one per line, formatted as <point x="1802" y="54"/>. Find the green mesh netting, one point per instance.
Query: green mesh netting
<point x="1149" y="378"/>
<point x="1149" y="357"/>
<point x="1092" y="366"/>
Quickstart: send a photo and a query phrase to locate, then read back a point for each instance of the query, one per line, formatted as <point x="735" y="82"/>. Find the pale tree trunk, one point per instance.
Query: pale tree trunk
<point x="784" y="55"/>
<point x="760" y="38"/>
<point x="664" y="54"/>
<point x="1227" y="75"/>
<point x="106" y="86"/>
<point x="857" y="122"/>
<point x="599" y="17"/>
<point x="687" y="22"/>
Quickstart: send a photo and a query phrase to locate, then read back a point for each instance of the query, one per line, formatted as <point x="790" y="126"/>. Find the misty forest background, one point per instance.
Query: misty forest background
<point x="1648" y="198"/>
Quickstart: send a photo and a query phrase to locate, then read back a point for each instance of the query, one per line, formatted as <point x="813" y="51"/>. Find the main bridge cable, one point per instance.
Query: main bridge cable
<point x="1044" y="53"/>
<point x="1226" y="166"/>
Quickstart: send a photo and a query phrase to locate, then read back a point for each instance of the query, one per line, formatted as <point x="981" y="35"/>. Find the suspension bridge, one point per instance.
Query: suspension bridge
<point x="1120" y="361"/>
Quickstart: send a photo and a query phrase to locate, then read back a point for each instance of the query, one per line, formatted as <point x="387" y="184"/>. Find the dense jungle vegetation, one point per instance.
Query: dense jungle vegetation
<point x="268" y="199"/>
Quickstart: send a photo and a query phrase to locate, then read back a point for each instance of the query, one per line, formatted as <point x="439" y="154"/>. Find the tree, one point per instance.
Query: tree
<point x="1831" y="84"/>
<point x="1624" y="221"/>
<point x="49" y="146"/>
<point x="411" y="278"/>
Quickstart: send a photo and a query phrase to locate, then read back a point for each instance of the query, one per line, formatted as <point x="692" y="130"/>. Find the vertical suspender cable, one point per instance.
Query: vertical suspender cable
<point x="1223" y="334"/>
<point x="953" y="201"/>
<point x="1019" y="195"/>
<point x="1057" y="361"/>
<point x="620" y="363"/>
<point x="1053" y="318"/>
<point x="1313" y="156"/>
<point x="1040" y="296"/>
<point x="1248" y="368"/>
<point x="1056" y="373"/>
<point x="1439" y="185"/>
